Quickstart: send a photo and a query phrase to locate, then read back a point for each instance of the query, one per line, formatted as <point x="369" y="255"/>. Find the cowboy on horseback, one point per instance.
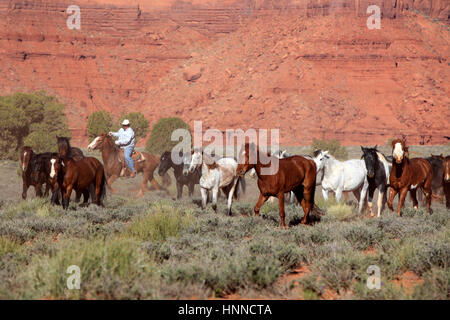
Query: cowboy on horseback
<point x="126" y="143"/>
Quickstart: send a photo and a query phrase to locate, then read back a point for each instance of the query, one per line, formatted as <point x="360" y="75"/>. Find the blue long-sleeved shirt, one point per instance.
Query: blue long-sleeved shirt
<point x="126" y="138"/>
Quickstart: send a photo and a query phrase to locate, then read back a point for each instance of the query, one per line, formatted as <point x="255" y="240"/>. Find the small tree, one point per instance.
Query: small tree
<point x="99" y="122"/>
<point x="333" y="146"/>
<point x="137" y="121"/>
<point x="33" y="119"/>
<point x="160" y="137"/>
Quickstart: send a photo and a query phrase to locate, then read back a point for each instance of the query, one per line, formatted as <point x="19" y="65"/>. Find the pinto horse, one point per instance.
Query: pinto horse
<point x="408" y="175"/>
<point x="446" y="180"/>
<point x="30" y="176"/>
<point x="182" y="176"/>
<point x="378" y="170"/>
<point x="296" y="174"/>
<point x="113" y="166"/>
<point x="85" y="176"/>
<point x="65" y="150"/>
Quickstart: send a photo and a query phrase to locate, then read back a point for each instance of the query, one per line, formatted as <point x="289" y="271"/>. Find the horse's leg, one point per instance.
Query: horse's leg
<point x="231" y="194"/>
<point x="401" y="200"/>
<point x="24" y="190"/>
<point x="381" y="199"/>
<point x="392" y="194"/>
<point x="204" y="193"/>
<point x="281" y="209"/>
<point x="428" y="193"/>
<point x="179" y="190"/>
<point x="66" y="197"/>
<point x="191" y="188"/>
<point x="215" y="193"/>
<point x="78" y="196"/>
<point x="369" y="203"/>
<point x="307" y="202"/>
<point x="47" y="189"/>
<point x="111" y="180"/>
<point x="362" y="198"/>
<point x="324" y="194"/>
<point x="413" y="194"/>
<point x="338" y="194"/>
<point x="261" y="200"/>
<point x="85" y="194"/>
<point x="38" y="190"/>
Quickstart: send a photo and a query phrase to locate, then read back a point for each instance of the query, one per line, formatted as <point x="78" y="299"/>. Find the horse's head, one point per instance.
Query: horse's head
<point x="196" y="159"/>
<point x="186" y="163"/>
<point x="446" y="168"/>
<point x="63" y="145"/>
<point x="99" y="142"/>
<point x="370" y="159"/>
<point x="56" y="165"/>
<point x="399" y="150"/>
<point x="320" y="157"/>
<point x="26" y="154"/>
<point x="165" y="163"/>
<point x="247" y="158"/>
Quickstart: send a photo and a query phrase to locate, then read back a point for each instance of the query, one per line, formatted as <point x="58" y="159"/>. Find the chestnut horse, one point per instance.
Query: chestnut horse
<point x="296" y="174"/>
<point x="85" y="176"/>
<point x="113" y="167"/>
<point x="446" y="180"/>
<point x="408" y="175"/>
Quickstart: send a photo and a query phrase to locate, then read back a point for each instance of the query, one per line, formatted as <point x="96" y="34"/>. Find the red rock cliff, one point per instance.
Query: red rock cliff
<point x="310" y="68"/>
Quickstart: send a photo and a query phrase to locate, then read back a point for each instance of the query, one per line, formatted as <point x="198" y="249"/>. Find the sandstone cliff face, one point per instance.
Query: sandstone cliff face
<point x="310" y="68"/>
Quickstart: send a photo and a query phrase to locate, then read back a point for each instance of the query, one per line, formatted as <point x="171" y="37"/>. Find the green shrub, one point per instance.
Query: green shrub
<point x="30" y="119"/>
<point x="162" y="222"/>
<point x="160" y="137"/>
<point x="333" y="146"/>
<point x="99" y="122"/>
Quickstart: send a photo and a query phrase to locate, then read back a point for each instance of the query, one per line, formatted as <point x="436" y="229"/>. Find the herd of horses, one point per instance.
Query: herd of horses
<point x="296" y="177"/>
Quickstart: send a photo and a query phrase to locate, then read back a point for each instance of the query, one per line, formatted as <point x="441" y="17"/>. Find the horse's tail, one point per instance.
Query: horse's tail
<point x="240" y="184"/>
<point x="315" y="210"/>
<point x="103" y="186"/>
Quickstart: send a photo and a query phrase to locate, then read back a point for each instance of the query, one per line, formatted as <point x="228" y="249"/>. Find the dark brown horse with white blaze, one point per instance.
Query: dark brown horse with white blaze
<point x="113" y="165"/>
<point x="85" y="176"/>
<point x="28" y="162"/>
<point x="296" y="174"/>
<point x="408" y="175"/>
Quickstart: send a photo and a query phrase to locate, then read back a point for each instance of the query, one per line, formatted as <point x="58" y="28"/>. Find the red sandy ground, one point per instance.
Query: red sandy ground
<point x="310" y="69"/>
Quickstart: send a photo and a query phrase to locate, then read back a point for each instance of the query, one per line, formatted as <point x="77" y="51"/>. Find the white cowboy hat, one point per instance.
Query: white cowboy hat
<point x="126" y="122"/>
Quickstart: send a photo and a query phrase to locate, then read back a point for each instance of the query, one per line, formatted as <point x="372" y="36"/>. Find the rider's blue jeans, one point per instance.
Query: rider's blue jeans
<point x="127" y="153"/>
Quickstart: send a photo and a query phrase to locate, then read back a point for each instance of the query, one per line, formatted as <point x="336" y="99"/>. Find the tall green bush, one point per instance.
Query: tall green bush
<point x="160" y="137"/>
<point x="30" y="119"/>
<point x="99" y="122"/>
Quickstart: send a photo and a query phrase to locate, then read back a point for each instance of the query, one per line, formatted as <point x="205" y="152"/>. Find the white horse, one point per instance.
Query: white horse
<point x="350" y="175"/>
<point x="216" y="174"/>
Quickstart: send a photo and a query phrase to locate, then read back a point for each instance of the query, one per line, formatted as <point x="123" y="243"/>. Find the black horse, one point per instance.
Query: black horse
<point x="66" y="150"/>
<point x="378" y="170"/>
<point x="183" y="177"/>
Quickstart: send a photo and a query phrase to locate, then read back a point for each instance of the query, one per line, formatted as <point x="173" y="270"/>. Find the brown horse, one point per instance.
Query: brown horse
<point x="408" y="175"/>
<point x="28" y="162"/>
<point x="446" y="180"/>
<point x="296" y="174"/>
<point x="85" y="176"/>
<point x="113" y="166"/>
<point x="66" y="150"/>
